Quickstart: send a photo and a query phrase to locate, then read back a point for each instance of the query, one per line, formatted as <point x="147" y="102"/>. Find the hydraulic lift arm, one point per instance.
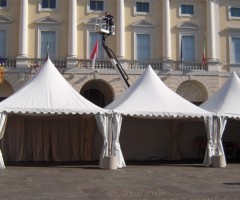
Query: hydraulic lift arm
<point x="105" y="29"/>
<point x="116" y="64"/>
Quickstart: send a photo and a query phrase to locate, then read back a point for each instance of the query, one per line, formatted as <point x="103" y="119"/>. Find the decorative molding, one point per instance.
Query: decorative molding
<point x="143" y="23"/>
<point x="189" y="25"/>
<point x="90" y="21"/>
<point x="48" y="20"/>
<point x="233" y="28"/>
<point x="5" y="19"/>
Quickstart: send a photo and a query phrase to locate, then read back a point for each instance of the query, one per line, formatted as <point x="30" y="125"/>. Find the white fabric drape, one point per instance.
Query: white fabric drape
<point x="210" y="148"/>
<point x="116" y="148"/>
<point x="102" y="122"/>
<point x="3" y="122"/>
<point x="218" y="133"/>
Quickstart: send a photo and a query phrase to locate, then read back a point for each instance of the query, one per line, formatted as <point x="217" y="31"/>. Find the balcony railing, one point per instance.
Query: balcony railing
<point x="132" y="65"/>
<point x="106" y="64"/>
<point x="8" y="63"/>
<point x="37" y="62"/>
<point x="192" y="66"/>
<point x="143" y="64"/>
<point x="99" y="64"/>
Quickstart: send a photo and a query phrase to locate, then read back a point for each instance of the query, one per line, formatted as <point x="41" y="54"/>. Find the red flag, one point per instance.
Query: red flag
<point x="94" y="54"/>
<point x="204" y="58"/>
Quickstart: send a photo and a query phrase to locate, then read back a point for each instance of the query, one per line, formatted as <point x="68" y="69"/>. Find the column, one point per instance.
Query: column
<point x="72" y="29"/>
<point x="23" y="30"/>
<point x="120" y="29"/>
<point x="166" y="34"/>
<point x="212" y="35"/>
<point x="211" y="32"/>
<point x="72" y="34"/>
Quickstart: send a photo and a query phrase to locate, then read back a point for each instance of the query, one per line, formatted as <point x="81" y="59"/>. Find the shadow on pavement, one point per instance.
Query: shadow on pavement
<point x="94" y="164"/>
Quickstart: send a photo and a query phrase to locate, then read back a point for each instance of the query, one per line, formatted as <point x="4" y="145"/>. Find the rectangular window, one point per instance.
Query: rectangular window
<point x="3" y="3"/>
<point x="143" y="46"/>
<point x="142" y="7"/>
<point x="187" y="9"/>
<point x="96" y="5"/>
<point x="93" y="38"/>
<point x="3" y="44"/>
<point x="235" y="50"/>
<point x="235" y="12"/>
<point x="188" y="48"/>
<point x="48" y="4"/>
<point x="48" y="44"/>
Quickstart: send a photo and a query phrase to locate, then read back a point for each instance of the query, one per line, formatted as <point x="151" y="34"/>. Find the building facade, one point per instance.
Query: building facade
<point x="193" y="45"/>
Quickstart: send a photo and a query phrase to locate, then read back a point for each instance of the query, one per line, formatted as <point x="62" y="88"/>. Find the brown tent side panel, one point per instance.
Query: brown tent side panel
<point x="55" y="138"/>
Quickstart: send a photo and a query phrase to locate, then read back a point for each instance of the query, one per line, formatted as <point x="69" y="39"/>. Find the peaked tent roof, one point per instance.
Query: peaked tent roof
<point x="227" y="99"/>
<point x="149" y="96"/>
<point x="48" y="93"/>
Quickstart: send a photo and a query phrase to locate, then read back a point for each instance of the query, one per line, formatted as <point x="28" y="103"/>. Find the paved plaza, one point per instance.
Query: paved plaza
<point x="137" y="181"/>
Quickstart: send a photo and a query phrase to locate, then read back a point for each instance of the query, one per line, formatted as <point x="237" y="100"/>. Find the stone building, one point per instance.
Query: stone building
<point x="169" y="35"/>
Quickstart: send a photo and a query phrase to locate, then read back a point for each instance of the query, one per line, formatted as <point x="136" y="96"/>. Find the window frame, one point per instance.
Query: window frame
<point x="187" y="15"/>
<point x="142" y="13"/>
<point x="6" y="41"/>
<point x="233" y="34"/>
<point x="230" y="17"/>
<point x="95" y="11"/>
<point x="142" y="31"/>
<point x="196" y="52"/>
<point x="88" y="44"/>
<point x="5" y="27"/>
<point x="5" y="7"/>
<point x="41" y="9"/>
<point x="47" y="28"/>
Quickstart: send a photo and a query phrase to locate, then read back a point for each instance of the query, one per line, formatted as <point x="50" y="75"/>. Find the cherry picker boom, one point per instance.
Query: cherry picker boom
<point x="105" y="30"/>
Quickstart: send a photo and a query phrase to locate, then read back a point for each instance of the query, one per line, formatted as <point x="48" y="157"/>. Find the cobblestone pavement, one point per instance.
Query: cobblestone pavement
<point x="157" y="181"/>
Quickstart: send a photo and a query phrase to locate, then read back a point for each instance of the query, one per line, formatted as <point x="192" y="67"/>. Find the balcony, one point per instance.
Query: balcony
<point x="143" y="64"/>
<point x="37" y="62"/>
<point x="106" y="64"/>
<point x="8" y="63"/>
<point x="190" y="66"/>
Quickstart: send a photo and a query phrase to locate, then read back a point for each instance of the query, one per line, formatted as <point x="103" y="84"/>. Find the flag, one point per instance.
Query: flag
<point x="94" y="54"/>
<point x="46" y="58"/>
<point x="204" y="58"/>
<point x="2" y="69"/>
<point x="181" y="52"/>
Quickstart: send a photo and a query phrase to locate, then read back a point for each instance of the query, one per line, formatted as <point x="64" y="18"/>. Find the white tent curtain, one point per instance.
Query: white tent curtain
<point x="210" y="147"/>
<point x="220" y="125"/>
<point x="116" y="148"/>
<point x="3" y="122"/>
<point x="103" y="122"/>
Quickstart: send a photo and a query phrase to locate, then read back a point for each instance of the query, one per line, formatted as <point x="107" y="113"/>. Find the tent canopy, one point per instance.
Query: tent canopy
<point x="226" y="99"/>
<point x="150" y="97"/>
<point x="225" y="104"/>
<point x="48" y="93"/>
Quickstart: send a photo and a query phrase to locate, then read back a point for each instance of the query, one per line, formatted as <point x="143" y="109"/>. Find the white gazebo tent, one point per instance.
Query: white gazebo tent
<point x="149" y="97"/>
<point x="47" y="93"/>
<point x="225" y="104"/>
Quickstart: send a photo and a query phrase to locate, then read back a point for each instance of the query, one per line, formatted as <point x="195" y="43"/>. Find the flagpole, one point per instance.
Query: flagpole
<point x="204" y="59"/>
<point x="181" y="54"/>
